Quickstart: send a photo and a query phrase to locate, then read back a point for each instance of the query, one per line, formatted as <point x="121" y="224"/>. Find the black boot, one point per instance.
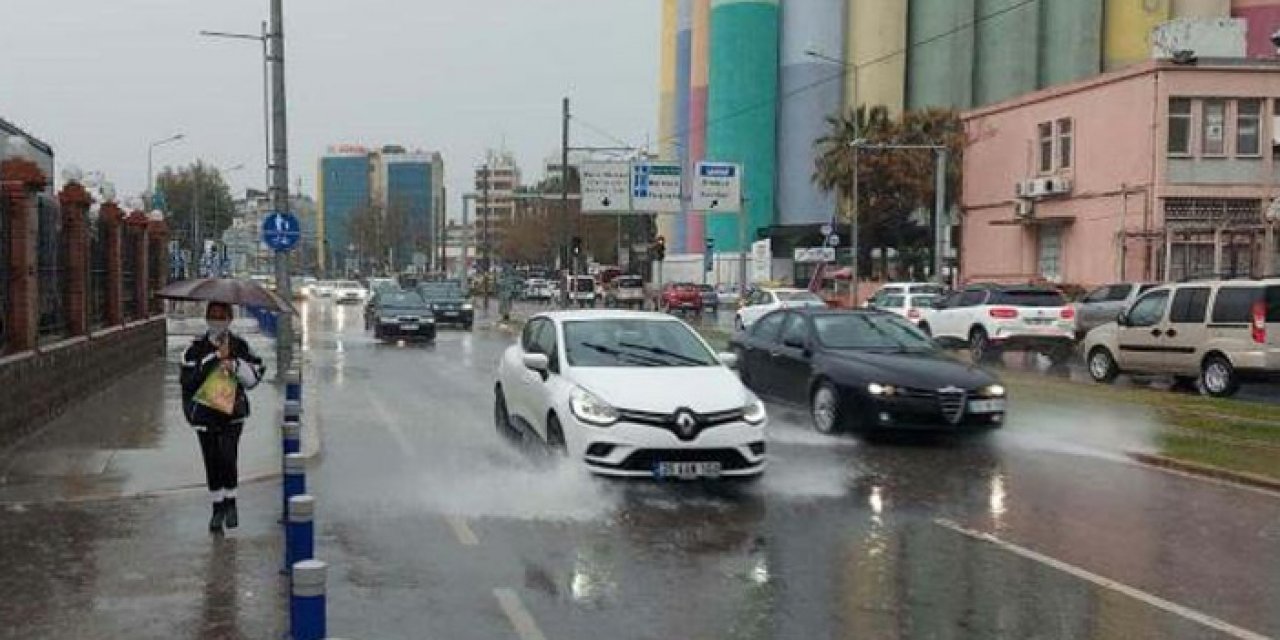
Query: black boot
<point x="229" y="511"/>
<point x="215" y="523"/>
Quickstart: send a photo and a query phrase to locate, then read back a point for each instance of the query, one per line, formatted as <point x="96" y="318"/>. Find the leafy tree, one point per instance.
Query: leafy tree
<point x="197" y="200"/>
<point x="892" y="183"/>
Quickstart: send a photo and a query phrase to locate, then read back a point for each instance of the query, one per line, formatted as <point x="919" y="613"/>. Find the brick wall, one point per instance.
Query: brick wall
<point x="36" y="386"/>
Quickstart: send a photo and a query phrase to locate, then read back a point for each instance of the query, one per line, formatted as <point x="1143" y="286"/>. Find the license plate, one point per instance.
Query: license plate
<point x="687" y="470"/>
<point x="1039" y="320"/>
<point x="986" y="406"/>
<point x="451" y="314"/>
<point x="408" y="327"/>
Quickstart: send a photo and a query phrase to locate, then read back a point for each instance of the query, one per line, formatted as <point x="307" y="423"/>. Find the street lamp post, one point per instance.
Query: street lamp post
<point x="150" y="152"/>
<point x="265" y="39"/>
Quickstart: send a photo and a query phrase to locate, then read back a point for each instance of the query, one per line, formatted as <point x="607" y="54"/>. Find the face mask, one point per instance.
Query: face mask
<point x="218" y="328"/>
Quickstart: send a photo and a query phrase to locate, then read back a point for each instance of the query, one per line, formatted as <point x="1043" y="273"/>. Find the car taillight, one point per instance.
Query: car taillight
<point x="913" y="314"/>
<point x="1259" y="324"/>
<point x="1003" y="313"/>
<point x="1067" y="313"/>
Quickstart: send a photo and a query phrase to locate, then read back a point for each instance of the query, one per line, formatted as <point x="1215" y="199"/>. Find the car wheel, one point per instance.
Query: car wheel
<point x="501" y="416"/>
<point x="1218" y="378"/>
<point x="980" y="348"/>
<point x="1102" y="366"/>
<point x="555" y="436"/>
<point x="826" y="410"/>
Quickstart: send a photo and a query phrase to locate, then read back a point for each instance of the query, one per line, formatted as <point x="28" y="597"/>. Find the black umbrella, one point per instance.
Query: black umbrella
<point x="228" y="290"/>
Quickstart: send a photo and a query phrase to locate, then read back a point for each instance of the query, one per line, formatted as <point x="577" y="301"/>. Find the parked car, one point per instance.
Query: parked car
<point x="763" y="301"/>
<point x="537" y="289"/>
<point x="990" y="319"/>
<point x="680" y="296"/>
<point x="582" y="290"/>
<point x="630" y="393"/>
<point x="323" y="288"/>
<point x="911" y="306"/>
<point x="449" y="303"/>
<point x="306" y="285"/>
<point x="625" y="291"/>
<point x="1215" y="334"/>
<point x="348" y="292"/>
<point x="1104" y="304"/>
<point x="902" y="289"/>
<point x="864" y="370"/>
<point x="403" y="315"/>
<point x="710" y="298"/>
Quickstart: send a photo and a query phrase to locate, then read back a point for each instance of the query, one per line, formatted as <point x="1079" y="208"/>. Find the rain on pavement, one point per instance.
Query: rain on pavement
<point x="435" y="527"/>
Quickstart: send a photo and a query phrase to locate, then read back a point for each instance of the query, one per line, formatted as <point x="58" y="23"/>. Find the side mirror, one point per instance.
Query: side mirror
<point x="537" y="362"/>
<point x="729" y="359"/>
<point x="1122" y="318"/>
<point x="794" y="343"/>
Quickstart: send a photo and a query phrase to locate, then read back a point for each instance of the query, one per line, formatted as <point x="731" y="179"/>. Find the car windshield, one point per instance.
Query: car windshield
<point x="1028" y="298"/>
<point x="583" y="285"/>
<point x="634" y="343"/>
<point x="400" y="300"/>
<point x="630" y="283"/>
<point x="348" y="284"/>
<point x="800" y="297"/>
<point x="870" y="332"/>
<point x="440" y="291"/>
<point x="923" y="300"/>
<point x="925" y="288"/>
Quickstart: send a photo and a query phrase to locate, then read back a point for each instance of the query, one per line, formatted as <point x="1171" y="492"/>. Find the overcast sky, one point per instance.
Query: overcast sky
<point x="100" y="79"/>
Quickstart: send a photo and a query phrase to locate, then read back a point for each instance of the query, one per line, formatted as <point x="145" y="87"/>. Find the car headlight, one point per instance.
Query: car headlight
<point x="387" y="320"/>
<point x="877" y="389"/>
<point x="753" y="411"/>
<point x="590" y="409"/>
<point x="467" y="307"/>
<point x="994" y="391"/>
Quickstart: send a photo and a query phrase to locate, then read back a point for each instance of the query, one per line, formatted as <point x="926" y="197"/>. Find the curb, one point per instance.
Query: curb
<point x="1207" y="470"/>
<point x="140" y="495"/>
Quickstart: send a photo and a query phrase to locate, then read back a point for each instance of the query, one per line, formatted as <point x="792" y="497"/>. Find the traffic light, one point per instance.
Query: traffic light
<point x="659" y="248"/>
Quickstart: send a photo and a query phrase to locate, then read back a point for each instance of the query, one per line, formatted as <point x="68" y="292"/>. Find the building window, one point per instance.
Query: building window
<point x="1050" y="252"/>
<point x="1213" y="134"/>
<point x="1064" y="143"/>
<point x="1248" y="127"/>
<point x="1046" y="146"/>
<point x="1179" y="127"/>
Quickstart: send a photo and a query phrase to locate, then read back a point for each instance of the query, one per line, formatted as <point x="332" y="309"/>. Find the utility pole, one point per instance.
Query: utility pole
<point x="853" y="231"/>
<point x="939" y="213"/>
<point x="564" y="194"/>
<point x="279" y="186"/>
<point x="488" y="213"/>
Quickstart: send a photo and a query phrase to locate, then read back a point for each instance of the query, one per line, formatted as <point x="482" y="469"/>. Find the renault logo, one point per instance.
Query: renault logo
<point x="686" y="423"/>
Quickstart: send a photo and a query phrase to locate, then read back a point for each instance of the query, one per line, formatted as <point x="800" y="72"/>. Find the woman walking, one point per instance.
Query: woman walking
<point x="216" y="370"/>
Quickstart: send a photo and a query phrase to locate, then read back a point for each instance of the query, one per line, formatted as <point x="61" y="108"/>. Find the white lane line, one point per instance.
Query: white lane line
<point x="392" y="426"/>
<point x="462" y="531"/>
<point x="519" y="616"/>
<point x="1107" y="583"/>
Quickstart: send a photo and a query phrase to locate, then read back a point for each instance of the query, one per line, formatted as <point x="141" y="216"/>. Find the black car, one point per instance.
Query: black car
<point x="403" y="315"/>
<point x="449" y="302"/>
<point x="864" y="370"/>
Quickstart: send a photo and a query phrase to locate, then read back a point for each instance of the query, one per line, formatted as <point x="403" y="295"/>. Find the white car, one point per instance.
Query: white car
<point x="323" y="289"/>
<point x="348" y="292"/>
<point x="630" y="393"/>
<point x="762" y="301"/>
<point x="904" y="288"/>
<point x="991" y="319"/>
<point x="912" y="306"/>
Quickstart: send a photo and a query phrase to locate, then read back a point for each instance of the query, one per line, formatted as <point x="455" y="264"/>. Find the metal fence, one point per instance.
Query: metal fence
<point x="158" y="271"/>
<point x="97" y="283"/>
<point x="51" y="259"/>
<point x="129" y="273"/>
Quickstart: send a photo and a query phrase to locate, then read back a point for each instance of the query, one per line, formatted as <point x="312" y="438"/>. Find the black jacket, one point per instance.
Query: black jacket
<point x="198" y="361"/>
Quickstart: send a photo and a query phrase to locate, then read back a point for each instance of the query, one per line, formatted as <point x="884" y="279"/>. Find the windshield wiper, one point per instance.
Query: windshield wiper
<point x="663" y="352"/>
<point x="643" y="360"/>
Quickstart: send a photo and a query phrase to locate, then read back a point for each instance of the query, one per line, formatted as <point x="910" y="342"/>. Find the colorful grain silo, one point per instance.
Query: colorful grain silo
<point x="1127" y="29"/>
<point x="1263" y="19"/>
<point x="940" y="60"/>
<point x="684" y="26"/>
<point x="699" y="50"/>
<point x="667" y="133"/>
<point x="876" y="46"/>
<point x="742" y="109"/>
<point x="1069" y="42"/>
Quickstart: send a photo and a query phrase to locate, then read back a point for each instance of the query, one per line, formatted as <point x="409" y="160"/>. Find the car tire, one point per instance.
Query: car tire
<point x="1102" y="366"/>
<point x="555" y="436"/>
<point x="980" y="349"/>
<point x="501" y="416"/>
<point x="1218" y="379"/>
<point x="826" y="409"/>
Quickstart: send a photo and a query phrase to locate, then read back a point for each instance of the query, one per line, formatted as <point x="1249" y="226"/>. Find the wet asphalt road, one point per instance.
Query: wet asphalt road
<point x="434" y="527"/>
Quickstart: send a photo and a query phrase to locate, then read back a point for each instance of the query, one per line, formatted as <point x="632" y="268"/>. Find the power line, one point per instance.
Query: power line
<point x="601" y="132"/>
<point x="850" y="69"/>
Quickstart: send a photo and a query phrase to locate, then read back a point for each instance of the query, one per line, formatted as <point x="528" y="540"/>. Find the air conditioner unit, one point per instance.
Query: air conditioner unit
<point x="1037" y="187"/>
<point x="1023" y="208"/>
<point x="1059" y="186"/>
<point x="1022" y="188"/>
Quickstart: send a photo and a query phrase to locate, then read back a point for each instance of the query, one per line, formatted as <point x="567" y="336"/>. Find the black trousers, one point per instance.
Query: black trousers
<point x="220" y="446"/>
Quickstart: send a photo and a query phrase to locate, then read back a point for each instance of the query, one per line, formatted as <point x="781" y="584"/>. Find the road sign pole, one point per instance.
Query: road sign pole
<point x="742" y="239"/>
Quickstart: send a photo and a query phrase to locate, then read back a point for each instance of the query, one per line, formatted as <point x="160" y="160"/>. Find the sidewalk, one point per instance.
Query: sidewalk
<point x="131" y="440"/>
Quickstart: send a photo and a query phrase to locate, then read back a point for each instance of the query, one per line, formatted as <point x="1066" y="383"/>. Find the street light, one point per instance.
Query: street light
<point x="150" y="152"/>
<point x="858" y="141"/>
<point x="265" y="39"/>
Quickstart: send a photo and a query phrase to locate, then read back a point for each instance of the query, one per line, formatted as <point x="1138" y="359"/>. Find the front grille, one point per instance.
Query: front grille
<point x="409" y="319"/>
<point x="951" y="402"/>
<point x="671" y="421"/>
<point x="647" y="459"/>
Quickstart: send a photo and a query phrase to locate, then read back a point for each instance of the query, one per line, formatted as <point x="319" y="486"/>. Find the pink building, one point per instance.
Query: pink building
<point x="1156" y="172"/>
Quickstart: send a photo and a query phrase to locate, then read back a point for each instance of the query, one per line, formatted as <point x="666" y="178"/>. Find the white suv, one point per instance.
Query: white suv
<point x="629" y="393"/>
<point x="991" y="319"/>
<point x="1214" y="334"/>
<point x="763" y="301"/>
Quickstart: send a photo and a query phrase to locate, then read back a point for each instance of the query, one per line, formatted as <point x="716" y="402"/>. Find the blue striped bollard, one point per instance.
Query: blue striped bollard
<point x="306" y="601"/>
<point x="292" y="410"/>
<point x="293" y="385"/>
<point x="299" y="533"/>
<point x="295" y="479"/>
<point x="291" y="437"/>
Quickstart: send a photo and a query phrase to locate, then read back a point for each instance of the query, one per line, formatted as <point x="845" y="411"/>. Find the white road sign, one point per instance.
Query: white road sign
<point x="655" y="187"/>
<point x="717" y="186"/>
<point x="815" y="254"/>
<point x="606" y="187"/>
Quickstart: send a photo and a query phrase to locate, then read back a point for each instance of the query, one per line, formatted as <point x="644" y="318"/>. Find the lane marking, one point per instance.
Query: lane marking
<point x="519" y="616"/>
<point x="1106" y="583"/>
<point x="462" y="531"/>
<point x="392" y="426"/>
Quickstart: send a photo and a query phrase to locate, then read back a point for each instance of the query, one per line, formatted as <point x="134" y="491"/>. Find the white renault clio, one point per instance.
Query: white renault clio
<point x="632" y="394"/>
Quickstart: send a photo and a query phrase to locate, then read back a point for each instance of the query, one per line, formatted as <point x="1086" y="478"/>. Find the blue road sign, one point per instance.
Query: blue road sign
<point x="280" y="231"/>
